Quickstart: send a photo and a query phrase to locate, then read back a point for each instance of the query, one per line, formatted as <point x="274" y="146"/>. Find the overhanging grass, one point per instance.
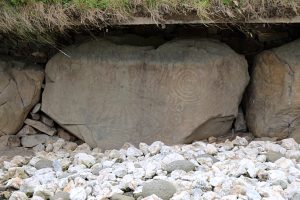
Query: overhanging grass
<point x="40" y="20"/>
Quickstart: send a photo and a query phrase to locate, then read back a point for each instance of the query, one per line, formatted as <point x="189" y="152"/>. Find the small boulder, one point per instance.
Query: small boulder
<point x="272" y="156"/>
<point x="240" y="141"/>
<point x="70" y="146"/>
<point x="65" y="135"/>
<point x="155" y="147"/>
<point x="39" y="148"/>
<point x="17" y="195"/>
<point x="290" y="144"/>
<point x="121" y="197"/>
<point x="40" y="126"/>
<point x="37" y="198"/>
<point x="296" y="197"/>
<point x="9" y="140"/>
<point x="44" y="163"/>
<point x="46" y="120"/>
<point x="78" y="193"/>
<point x="161" y="188"/>
<point x="35" y="116"/>
<point x="33" y="140"/>
<point x="26" y="130"/>
<point x="83" y="158"/>
<point x="36" y="108"/>
<point x="152" y="197"/>
<point x="214" y="160"/>
<point x="184" y="165"/>
<point x="61" y="196"/>
<point x="172" y="157"/>
<point x="211" y="149"/>
<point x="134" y="152"/>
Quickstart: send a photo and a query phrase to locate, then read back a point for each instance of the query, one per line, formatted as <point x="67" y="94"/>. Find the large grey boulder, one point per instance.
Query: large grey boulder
<point x="108" y="94"/>
<point x="273" y="98"/>
<point x="20" y="88"/>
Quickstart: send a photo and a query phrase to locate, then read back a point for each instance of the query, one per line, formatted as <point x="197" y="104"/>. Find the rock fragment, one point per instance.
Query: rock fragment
<point x="9" y="140"/>
<point x="40" y="126"/>
<point x="26" y="130"/>
<point x="161" y="188"/>
<point x="33" y="140"/>
<point x="184" y="165"/>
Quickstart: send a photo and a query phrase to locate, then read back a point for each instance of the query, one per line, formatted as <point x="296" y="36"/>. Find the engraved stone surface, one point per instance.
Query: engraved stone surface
<point x="273" y="97"/>
<point x="108" y="94"/>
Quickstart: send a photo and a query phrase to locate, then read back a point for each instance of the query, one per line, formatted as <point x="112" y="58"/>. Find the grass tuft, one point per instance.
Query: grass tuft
<point x="41" y="20"/>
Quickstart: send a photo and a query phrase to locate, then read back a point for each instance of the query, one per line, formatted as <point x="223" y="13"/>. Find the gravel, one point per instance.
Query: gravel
<point x="231" y="170"/>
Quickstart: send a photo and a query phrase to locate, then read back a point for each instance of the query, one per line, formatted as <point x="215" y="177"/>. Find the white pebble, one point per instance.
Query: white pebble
<point x="78" y="193"/>
<point x="83" y="158"/>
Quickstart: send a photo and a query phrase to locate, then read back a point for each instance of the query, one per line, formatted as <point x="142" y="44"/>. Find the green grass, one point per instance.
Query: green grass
<point x="41" y="20"/>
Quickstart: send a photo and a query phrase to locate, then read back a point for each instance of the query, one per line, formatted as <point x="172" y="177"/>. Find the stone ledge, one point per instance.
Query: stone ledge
<point x="196" y="20"/>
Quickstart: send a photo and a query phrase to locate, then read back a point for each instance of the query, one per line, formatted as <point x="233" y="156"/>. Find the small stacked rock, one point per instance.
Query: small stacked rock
<point x="38" y="130"/>
<point x="230" y="170"/>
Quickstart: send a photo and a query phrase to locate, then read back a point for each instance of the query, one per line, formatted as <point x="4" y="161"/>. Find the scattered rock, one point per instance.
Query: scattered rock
<point x="161" y="188"/>
<point x="40" y="126"/>
<point x="78" y="193"/>
<point x="71" y="146"/>
<point x="240" y="141"/>
<point x="17" y="195"/>
<point x="184" y="165"/>
<point x="35" y="116"/>
<point x="155" y="147"/>
<point x="214" y="160"/>
<point x="211" y="149"/>
<point x="15" y="183"/>
<point x="44" y="163"/>
<point x="272" y="139"/>
<point x="26" y="130"/>
<point x="83" y="158"/>
<point x="172" y="157"/>
<point x="83" y="148"/>
<point x="36" y="108"/>
<point x="272" y="156"/>
<point x="46" y="120"/>
<point x="121" y="197"/>
<point x="132" y="151"/>
<point x="212" y="139"/>
<point x="296" y="197"/>
<point x="9" y="140"/>
<point x="33" y="140"/>
<point x="58" y="144"/>
<point x="290" y="144"/>
<point x="65" y="135"/>
<point x="61" y="196"/>
<point x="37" y="198"/>
<point x="5" y="194"/>
<point x="38" y="148"/>
<point x="151" y="197"/>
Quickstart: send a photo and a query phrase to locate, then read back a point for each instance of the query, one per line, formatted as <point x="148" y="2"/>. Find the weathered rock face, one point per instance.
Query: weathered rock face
<point x="108" y="94"/>
<point x="273" y="98"/>
<point x="20" y="88"/>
